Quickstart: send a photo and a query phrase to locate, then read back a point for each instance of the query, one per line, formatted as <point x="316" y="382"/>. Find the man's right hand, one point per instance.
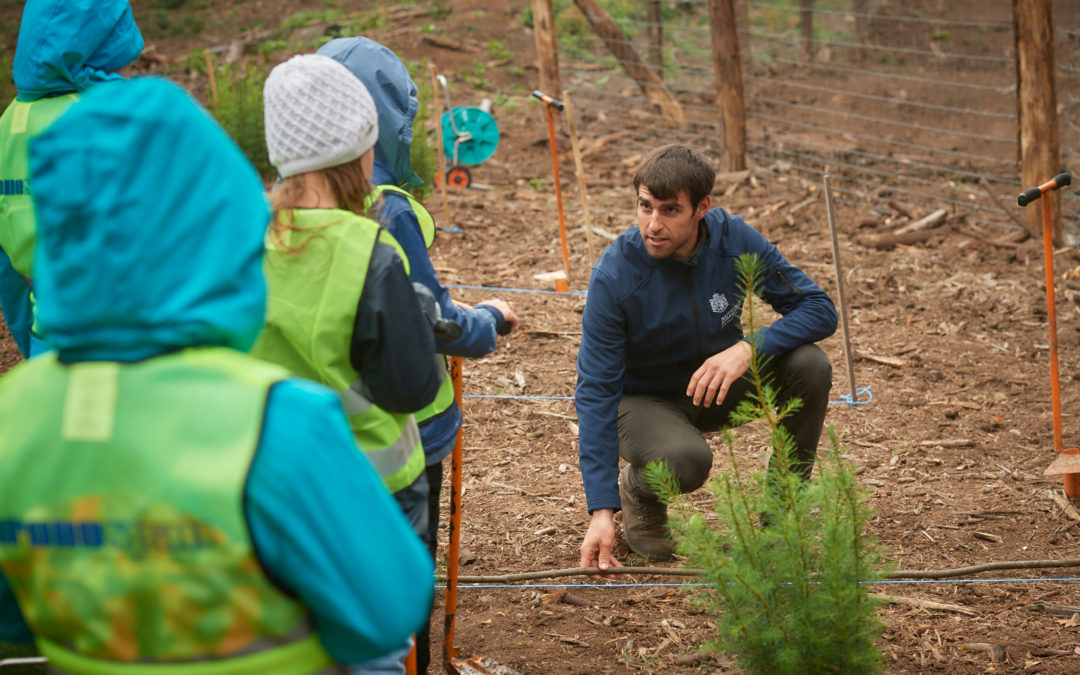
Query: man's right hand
<point x="600" y="538"/>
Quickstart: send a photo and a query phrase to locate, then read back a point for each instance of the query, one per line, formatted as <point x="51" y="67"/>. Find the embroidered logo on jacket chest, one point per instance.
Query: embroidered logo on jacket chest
<point x="718" y="303"/>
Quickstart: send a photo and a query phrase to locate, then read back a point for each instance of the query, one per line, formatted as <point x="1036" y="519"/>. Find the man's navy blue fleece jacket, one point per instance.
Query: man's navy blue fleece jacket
<point x="649" y="325"/>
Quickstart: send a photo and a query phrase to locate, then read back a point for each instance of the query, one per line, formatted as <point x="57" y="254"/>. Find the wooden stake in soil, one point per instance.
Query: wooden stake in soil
<point x="840" y="289"/>
<point x="213" y="80"/>
<point x="439" y="155"/>
<point x="552" y="104"/>
<point x="580" y="165"/>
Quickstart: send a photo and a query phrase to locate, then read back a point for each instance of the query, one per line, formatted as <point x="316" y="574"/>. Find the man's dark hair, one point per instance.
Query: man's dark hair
<point x="671" y="168"/>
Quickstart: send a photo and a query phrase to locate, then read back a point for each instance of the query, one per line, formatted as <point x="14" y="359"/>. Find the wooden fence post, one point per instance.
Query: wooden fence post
<point x="806" y="28"/>
<point x="547" y="49"/>
<point x="656" y="37"/>
<point x="618" y="43"/>
<point x="729" y="85"/>
<point x="862" y="28"/>
<point x="1040" y="156"/>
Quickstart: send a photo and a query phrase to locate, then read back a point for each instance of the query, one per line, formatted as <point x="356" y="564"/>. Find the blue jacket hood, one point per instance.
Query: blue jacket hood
<point x="388" y="81"/>
<point x="150" y="228"/>
<point x="67" y="45"/>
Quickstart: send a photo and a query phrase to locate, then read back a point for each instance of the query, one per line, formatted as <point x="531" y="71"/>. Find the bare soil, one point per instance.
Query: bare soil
<point x="950" y="336"/>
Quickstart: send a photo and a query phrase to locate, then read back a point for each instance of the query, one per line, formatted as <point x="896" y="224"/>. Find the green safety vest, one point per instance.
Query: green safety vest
<point x="315" y="272"/>
<point x="21" y="122"/>
<point x="445" y="397"/>
<point x="122" y="529"/>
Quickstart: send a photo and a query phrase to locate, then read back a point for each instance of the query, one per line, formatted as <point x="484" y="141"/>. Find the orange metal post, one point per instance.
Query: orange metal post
<point x="454" y="549"/>
<point x="1051" y="319"/>
<point x="1072" y="480"/>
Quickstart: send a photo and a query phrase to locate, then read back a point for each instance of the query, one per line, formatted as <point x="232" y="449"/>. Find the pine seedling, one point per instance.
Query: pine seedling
<point x="238" y="108"/>
<point x="788" y="558"/>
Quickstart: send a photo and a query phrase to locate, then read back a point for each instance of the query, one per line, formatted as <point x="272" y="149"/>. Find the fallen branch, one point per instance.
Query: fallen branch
<point x="923" y="604"/>
<point x="443" y="43"/>
<point x="887" y="242"/>
<point x="884" y="360"/>
<point x="1009" y="212"/>
<point x="925" y="223"/>
<point x="947" y="443"/>
<point x="1050" y="608"/>
<point x="1065" y="505"/>
<point x="577" y="571"/>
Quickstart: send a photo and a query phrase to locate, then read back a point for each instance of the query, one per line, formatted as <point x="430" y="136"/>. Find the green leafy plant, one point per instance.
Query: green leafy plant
<point x="422" y="152"/>
<point x="160" y="23"/>
<point x="786" y="556"/>
<point x="238" y="107"/>
<point x="7" y="82"/>
<point x="497" y="51"/>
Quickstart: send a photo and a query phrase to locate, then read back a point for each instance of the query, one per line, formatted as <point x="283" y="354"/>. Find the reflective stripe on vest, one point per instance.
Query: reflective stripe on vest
<point x="122" y="528"/>
<point x="315" y="269"/>
<point x="22" y="122"/>
<point x="400" y="455"/>
<point x="445" y="397"/>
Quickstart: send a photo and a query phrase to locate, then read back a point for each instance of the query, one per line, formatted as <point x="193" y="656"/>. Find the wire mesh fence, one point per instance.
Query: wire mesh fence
<point x="908" y="101"/>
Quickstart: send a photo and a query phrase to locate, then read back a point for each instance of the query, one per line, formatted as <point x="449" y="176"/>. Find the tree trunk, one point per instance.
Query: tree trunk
<point x="656" y="37"/>
<point x="806" y="28"/>
<point x="618" y="44"/>
<point x="1039" y="152"/>
<point x="860" y="8"/>
<point x="547" y="50"/>
<point x="729" y="85"/>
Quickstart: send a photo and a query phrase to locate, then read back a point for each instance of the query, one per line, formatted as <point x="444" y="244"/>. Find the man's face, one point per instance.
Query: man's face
<point x="669" y="227"/>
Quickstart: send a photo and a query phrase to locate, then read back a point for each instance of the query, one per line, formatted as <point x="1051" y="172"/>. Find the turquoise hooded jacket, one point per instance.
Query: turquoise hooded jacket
<point x="150" y="239"/>
<point x="64" y="47"/>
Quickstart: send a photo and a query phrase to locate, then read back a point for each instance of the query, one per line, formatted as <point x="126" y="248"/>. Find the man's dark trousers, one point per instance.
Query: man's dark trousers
<point x="655" y="428"/>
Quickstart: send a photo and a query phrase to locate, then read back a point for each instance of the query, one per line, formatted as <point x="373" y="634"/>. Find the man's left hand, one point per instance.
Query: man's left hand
<point x="712" y="380"/>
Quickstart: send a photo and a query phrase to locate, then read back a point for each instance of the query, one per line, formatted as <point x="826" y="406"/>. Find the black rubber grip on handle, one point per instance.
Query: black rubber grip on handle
<point x="1063" y="179"/>
<point x="553" y="102"/>
<point x="1029" y="195"/>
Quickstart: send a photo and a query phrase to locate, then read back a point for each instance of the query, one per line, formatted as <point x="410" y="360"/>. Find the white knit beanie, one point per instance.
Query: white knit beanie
<point x="318" y="115"/>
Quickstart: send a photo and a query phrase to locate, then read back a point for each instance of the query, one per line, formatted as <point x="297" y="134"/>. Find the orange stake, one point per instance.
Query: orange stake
<point x="1072" y="480"/>
<point x="454" y="549"/>
<point x="556" y="104"/>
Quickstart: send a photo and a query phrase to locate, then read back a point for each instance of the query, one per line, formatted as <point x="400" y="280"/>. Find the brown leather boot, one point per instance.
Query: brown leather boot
<point x="644" y="524"/>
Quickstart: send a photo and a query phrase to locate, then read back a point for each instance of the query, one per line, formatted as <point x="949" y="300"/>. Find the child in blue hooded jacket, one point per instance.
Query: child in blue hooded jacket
<point x="394" y="93"/>
<point x="64" y="47"/>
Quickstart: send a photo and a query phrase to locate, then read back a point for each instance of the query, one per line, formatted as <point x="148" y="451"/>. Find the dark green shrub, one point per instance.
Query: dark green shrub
<point x="422" y="153"/>
<point x="239" y="109"/>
